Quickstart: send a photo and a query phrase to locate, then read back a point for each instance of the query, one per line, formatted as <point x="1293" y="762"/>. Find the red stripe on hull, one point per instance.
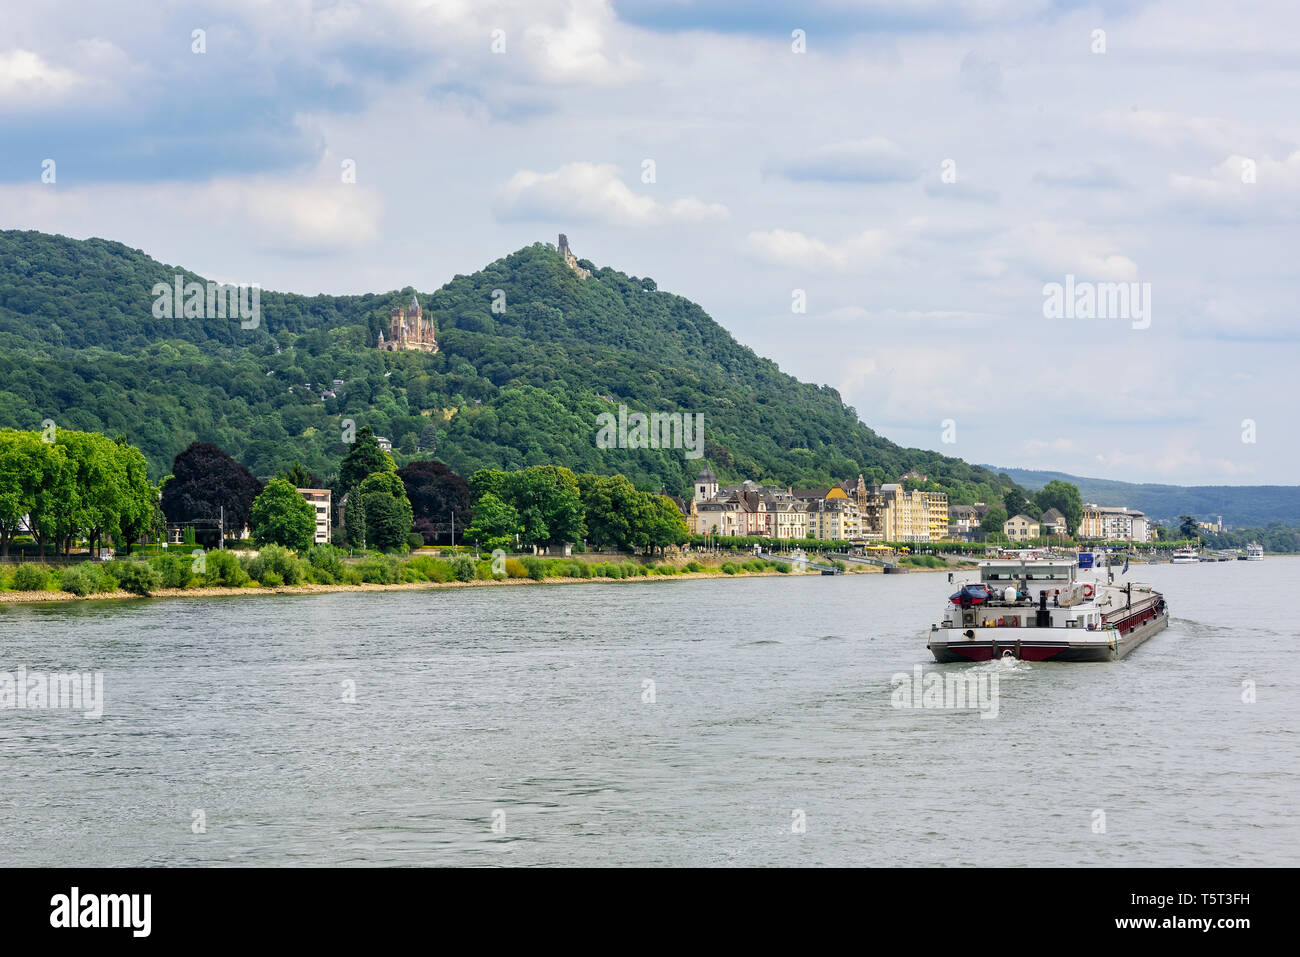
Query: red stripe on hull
<point x="985" y="653"/>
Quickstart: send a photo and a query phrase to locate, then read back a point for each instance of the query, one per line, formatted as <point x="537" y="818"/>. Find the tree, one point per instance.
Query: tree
<point x="436" y="493"/>
<point x="548" y="503"/>
<point x="667" y="525"/>
<point x="204" y="481"/>
<point x="140" y="514"/>
<point x="386" y="526"/>
<point x="298" y="476"/>
<point x="608" y="503"/>
<point x="280" y="516"/>
<point x="354" y="521"/>
<point x="495" y="523"/>
<point x="73" y="485"/>
<point x="1013" y="500"/>
<point x="993" y="521"/>
<point x="1187" y="526"/>
<point x="24" y="461"/>
<point x="428" y="441"/>
<point x="364" y="459"/>
<point x="1065" y="497"/>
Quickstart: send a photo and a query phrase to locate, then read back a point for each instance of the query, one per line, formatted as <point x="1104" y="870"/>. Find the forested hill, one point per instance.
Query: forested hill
<point x="1240" y="505"/>
<point x="80" y="344"/>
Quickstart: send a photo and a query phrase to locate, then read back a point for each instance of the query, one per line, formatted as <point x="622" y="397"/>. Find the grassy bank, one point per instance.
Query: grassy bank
<point x="323" y="569"/>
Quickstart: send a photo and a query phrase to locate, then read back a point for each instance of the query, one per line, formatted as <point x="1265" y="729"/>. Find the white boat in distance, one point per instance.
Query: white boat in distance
<point x="1254" y="552"/>
<point x="1185" y="556"/>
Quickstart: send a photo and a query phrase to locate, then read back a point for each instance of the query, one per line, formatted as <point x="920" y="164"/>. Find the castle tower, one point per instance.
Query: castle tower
<point x="409" y="329"/>
<point x="571" y="260"/>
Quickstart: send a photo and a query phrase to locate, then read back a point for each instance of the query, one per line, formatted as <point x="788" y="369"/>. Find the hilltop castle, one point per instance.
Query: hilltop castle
<point x="571" y="260"/>
<point x="408" y="329"/>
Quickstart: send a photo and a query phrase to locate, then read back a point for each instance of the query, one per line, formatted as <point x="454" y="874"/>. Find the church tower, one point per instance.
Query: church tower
<point x="706" y="485"/>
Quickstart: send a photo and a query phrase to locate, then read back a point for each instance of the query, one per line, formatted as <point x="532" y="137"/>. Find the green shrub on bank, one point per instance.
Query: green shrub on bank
<point x="464" y="568"/>
<point x="431" y="569"/>
<point x="377" y="569"/>
<point x="177" y="571"/>
<point x="694" y="566"/>
<point x="86" y="579"/>
<point x="325" y="563"/>
<point x="277" y="560"/>
<point x="729" y="568"/>
<point x="223" y="570"/>
<point x="138" y="578"/>
<point x="30" y="578"/>
<point x="271" y="580"/>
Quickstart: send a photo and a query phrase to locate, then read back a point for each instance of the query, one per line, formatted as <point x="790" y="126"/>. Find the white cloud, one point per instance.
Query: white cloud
<point x="789" y="248"/>
<point x="26" y="79"/>
<point x="1243" y="187"/>
<point x="594" y="192"/>
<point x="281" y="214"/>
<point x="1054" y="248"/>
<point x="1171" y="130"/>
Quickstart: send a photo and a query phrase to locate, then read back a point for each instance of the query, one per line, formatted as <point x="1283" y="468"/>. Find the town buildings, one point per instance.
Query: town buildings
<point x="852" y="511"/>
<point x="1112" y="524"/>
<point x="1020" y="527"/>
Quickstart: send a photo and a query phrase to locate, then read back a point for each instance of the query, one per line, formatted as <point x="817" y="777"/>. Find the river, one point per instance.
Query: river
<point x="516" y="726"/>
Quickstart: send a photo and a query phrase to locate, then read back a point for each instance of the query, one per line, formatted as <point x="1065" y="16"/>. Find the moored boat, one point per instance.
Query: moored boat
<point x="1254" y="552"/>
<point x="1053" y="609"/>
<point x="1185" y="556"/>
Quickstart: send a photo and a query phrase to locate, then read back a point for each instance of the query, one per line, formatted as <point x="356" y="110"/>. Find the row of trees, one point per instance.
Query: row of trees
<point x="546" y="505"/>
<point x="208" y="489"/>
<point x="68" y="486"/>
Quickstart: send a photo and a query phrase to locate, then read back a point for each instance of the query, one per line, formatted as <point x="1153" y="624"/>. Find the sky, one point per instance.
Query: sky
<point x="881" y="197"/>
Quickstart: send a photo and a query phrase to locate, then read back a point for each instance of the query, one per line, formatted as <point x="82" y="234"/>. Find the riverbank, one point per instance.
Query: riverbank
<point x="24" y="597"/>
<point x="205" y="591"/>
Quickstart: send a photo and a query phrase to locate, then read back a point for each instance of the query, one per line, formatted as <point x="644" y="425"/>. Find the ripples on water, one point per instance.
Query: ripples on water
<point x="771" y="697"/>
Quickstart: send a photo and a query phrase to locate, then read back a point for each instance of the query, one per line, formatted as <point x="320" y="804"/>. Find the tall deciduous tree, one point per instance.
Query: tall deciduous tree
<point x="281" y="516"/>
<point x="24" y="460"/>
<point x="495" y="523"/>
<point x="436" y="493"/>
<point x="1065" y="497"/>
<point x="205" y="480"/>
<point x="1013" y="500"/>
<point x="387" y="525"/>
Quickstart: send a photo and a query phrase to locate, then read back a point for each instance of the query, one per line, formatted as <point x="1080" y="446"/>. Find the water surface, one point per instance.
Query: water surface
<point x="772" y="699"/>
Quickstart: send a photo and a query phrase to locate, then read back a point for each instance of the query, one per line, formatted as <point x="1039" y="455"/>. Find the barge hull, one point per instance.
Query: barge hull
<point x="1027" y="649"/>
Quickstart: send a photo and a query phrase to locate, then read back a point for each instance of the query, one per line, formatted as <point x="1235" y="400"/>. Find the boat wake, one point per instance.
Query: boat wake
<point x="1003" y="667"/>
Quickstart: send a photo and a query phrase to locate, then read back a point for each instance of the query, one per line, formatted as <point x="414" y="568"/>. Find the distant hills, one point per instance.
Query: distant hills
<point x="510" y="387"/>
<point x="1243" y="506"/>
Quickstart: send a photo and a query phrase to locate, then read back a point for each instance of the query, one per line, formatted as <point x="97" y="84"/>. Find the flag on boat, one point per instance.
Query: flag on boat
<point x="1125" y="571"/>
